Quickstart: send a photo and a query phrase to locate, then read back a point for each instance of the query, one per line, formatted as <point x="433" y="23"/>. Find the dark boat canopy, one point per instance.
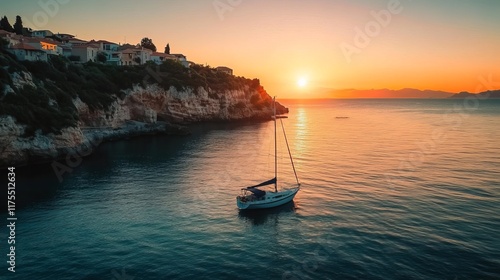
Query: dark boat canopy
<point x="268" y="182"/>
<point x="258" y="193"/>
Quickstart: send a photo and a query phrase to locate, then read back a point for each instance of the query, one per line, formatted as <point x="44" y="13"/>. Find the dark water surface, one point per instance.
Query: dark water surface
<point x="392" y="189"/>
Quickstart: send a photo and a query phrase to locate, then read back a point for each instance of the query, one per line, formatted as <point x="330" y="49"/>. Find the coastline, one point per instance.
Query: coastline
<point x="56" y="109"/>
<point x="41" y="151"/>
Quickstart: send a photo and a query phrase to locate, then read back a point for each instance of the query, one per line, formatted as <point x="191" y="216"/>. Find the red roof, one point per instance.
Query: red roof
<point x="161" y="54"/>
<point x="134" y="50"/>
<point x="24" y="46"/>
<point x="39" y="40"/>
<point x="131" y="49"/>
<point x="74" y="40"/>
<point x="87" y="45"/>
<point x="104" y="42"/>
<point x="3" y="32"/>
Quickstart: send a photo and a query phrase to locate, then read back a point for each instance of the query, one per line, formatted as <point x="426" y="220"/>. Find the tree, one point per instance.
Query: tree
<point x="148" y="44"/>
<point x="18" y="25"/>
<point x="167" y="49"/>
<point x="5" y="25"/>
<point x="137" y="60"/>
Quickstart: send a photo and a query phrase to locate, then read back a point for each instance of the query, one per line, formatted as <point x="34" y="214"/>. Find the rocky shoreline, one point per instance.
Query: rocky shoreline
<point x="49" y="148"/>
<point x="143" y="110"/>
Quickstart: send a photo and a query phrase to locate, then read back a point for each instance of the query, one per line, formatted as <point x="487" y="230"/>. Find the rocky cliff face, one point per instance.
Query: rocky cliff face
<point x="152" y="104"/>
<point x="142" y="110"/>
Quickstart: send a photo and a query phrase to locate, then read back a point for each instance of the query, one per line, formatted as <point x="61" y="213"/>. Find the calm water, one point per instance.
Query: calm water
<point x="397" y="189"/>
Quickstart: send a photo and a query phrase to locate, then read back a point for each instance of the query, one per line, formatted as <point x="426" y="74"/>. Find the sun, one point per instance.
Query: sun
<point x="302" y="82"/>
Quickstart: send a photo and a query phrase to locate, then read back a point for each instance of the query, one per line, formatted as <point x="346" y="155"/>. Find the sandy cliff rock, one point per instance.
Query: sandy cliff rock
<point x="143" y="110"/>
<point x="17" y="149"/>
<point x="193" y="105"/>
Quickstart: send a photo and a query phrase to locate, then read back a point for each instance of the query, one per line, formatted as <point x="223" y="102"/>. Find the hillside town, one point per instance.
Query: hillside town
<point x="39" y="45"/>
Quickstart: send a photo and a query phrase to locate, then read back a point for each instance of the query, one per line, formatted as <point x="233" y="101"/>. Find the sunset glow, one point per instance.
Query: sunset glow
<point x="347" y="44"/>
<point x="250" y="139"/>
<point x="302" y="82"/>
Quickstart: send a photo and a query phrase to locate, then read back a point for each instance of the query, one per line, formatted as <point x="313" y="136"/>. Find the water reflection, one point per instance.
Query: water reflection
<point x="261" y="216"/>
<point x="301" y="130"/>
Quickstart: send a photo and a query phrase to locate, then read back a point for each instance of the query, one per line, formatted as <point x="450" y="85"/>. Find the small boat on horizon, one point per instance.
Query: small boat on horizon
<point x="255" y="198"/>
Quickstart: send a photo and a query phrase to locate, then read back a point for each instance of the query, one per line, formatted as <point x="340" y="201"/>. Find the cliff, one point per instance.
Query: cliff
<point x="45" y="117"/>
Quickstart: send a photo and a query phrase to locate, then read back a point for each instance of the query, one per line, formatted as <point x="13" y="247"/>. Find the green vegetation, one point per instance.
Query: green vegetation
<point x="148" y="44"/>
<point x="34" y="107"/>
<point x="49" y="105"/>
<point x="5" y="24"/>
<point x="18" y="26"/>
<point x="203" y="76"/>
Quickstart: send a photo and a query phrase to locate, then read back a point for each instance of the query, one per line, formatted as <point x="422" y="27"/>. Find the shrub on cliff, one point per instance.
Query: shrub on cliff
<point x="43" y="71"/>
<point x="40" y="110"/>
<point x="59" y="62"/>
<point x="49" y="106"/>
<point x="5" y="78"/>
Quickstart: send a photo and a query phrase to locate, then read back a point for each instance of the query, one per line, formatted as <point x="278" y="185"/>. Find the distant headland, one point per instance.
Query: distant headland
<point x="493" y="94"/>
<point x="405" y="93"/>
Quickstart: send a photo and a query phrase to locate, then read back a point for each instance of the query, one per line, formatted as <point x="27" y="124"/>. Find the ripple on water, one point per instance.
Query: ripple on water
<point x="164" y="207"/>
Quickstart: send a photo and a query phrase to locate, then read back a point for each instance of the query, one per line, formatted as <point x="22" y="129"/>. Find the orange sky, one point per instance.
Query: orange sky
<point x="438" y="45"/>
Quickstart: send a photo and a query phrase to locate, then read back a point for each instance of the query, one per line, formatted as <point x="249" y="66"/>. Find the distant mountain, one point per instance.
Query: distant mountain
<point x="486" y="94"/>
<point x="388" y="93"/>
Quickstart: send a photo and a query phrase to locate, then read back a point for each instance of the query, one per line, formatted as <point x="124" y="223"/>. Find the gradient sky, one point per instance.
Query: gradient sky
<point x="431" y="44"/>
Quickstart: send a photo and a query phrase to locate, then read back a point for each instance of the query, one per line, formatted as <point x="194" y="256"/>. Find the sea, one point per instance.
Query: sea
<point x="390" y="189"/>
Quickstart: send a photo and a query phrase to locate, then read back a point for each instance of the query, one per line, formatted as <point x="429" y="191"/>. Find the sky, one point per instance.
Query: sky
<point x="299" y="48"/>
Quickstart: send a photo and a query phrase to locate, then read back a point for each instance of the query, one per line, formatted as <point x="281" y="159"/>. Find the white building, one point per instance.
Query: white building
<point x="24" y="51"/>
<point x="42" y="33"/>
<point x="75" y="41"/>
<point x="113" y="55"/>
<point x="85" y="53"/>
<point x="135" y="56"/>
<point x="47" y="45"/>
<point x="159" y="58"/>
<point x="225" y="69"/>
<point x="182" y="59"/>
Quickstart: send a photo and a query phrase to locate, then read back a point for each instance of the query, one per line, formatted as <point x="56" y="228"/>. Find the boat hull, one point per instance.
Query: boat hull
<point x="270" y="200"/>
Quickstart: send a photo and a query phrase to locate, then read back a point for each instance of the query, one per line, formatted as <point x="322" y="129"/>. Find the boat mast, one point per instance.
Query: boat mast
<point x="275" y="148"/>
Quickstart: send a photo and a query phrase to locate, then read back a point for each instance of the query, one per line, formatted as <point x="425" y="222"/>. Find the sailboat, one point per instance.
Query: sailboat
<point x="255" y="198"/>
